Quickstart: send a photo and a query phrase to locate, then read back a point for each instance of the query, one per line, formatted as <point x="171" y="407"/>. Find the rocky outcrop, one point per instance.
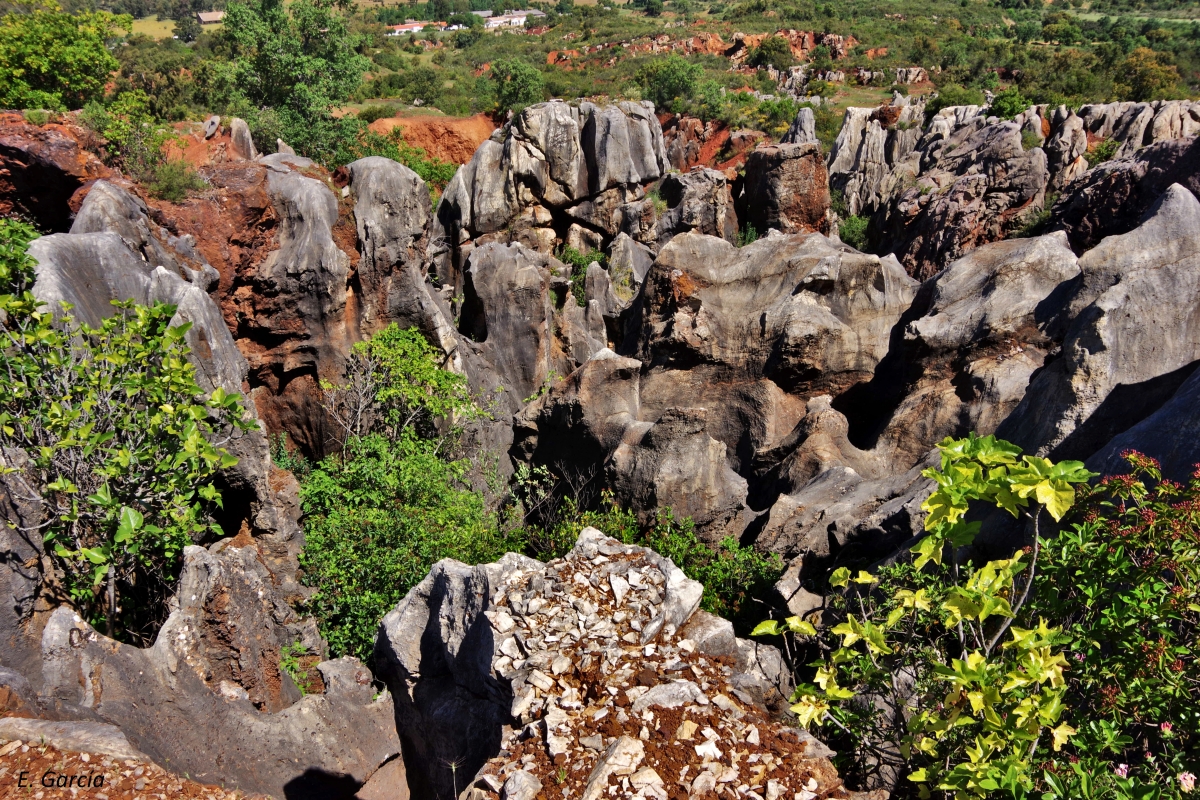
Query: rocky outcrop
<point x="724" y="348"/>
<point x="21" y="551"/>
<point x="1112" y="198"/>
<point x="803" y="129"/>
<point x="217" y="660"/>
<point x="41" y="170"/>
<point x="697" y="202"/>
<point x="786" y="189"/>
<point x="983" y="187"/>
<point x="1131" y="340"/>
<point x="595" y="665"/>
<point x="557" y="174"/>
<point x="935" y="189"/>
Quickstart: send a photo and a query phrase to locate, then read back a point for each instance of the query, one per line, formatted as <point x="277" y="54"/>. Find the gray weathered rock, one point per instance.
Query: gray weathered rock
<point x="1133" y="336"/>
<point x="216" y="660"/>
<point x="697" y="202"/>
<point x="212" y="126"/>
<point x="555" y="172"/>
<point x="83" y="737"/>
<point x="243" y="142"/>
<point x="20" y="569"/>
<point x="803" y="129"/>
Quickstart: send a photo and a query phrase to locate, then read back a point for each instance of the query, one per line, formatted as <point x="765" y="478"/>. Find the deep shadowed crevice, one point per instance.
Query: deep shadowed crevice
<point x="318" y="784"/>
<point x="869" y="405"/>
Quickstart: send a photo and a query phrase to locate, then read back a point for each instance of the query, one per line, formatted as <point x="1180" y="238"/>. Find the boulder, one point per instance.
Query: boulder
<point x="493" y="666"/>
<point x="979" y="329"/>
<point x="217" y="660"/>
<point x="786" y="189"/>
<point x="803" y="129"/>
<point x="1132" y="339"/>
<point x="554" y="167"/>
<point x="1171" y="434"/>
<point x="241" y="140"/>
<point x="698" y="202"/>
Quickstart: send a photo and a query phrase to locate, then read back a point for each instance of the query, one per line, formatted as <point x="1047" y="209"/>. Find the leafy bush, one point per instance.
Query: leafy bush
<point x="1009" y="103"/>
<point x="921" y="673"/>
<point x="1102" y="151"/>
<point x="173" y="180"/>
<point x="954" y="95"/>
<point x="121" y="440"/>
<point x="133" y="140"/>
<point x="377" y="111"/>
<point x="1091" y="695"/>
<point x="668" y="79"/>
<point x="378" y="516"/>
<point x="772" y="51"/>
<point x="390" y="502"/>
<point x="517" y="83"/>
<point x="853" y="231"/>
<point x="579" y="262"/>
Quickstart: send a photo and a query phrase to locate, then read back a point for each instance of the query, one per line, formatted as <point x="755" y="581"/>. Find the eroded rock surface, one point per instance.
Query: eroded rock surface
<point x="217" y="660"/>
<point x="590" y="666"/>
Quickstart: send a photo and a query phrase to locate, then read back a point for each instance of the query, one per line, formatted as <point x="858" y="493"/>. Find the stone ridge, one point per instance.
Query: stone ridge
<point x="619" y="686"/>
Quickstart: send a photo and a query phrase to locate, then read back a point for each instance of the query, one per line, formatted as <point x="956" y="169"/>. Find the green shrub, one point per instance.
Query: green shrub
<point x="927" y="664"/>
<point x="174" y="180"/>
<point x="517" y="84"/>
<point x="1102" y="151"/>
<point x="747" y="235"/>
<point x="120" y="438"/>
<point x="1009" y="103"/>
<point x="377" y="111"/>
<point x="669" y="79"/>
<point x="853" y="231"/>
<point x="772" y="51"/>
<point x="954" y="95"/>
<point x="578" y="262"/>
<point x="1065" y="671"/>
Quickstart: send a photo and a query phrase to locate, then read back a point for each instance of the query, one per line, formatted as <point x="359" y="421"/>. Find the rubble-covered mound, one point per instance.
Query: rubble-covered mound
<point x="591" y="675"/>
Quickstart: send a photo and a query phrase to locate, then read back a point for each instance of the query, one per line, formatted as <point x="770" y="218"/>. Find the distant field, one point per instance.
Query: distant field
<point x="162" y="28"/>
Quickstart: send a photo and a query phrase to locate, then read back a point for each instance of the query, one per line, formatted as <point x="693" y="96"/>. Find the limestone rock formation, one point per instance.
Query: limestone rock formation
<point x="983" y="187"/>
<point x="697" y="202"/>
<point x="1132" y="337"/>
<point x="589" y="666"/>
<point x="787" y="189"/>
<point x="557" y="174"/>
<point x="936" y="189"/>
<point x="1113" y="197"/>
<point x="217" y="659"/>
<point x="723" y="349"/>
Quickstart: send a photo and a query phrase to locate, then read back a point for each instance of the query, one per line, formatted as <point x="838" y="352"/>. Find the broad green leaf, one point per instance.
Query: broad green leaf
<point x="839" y="577"/>
<point x="768" y="627"/>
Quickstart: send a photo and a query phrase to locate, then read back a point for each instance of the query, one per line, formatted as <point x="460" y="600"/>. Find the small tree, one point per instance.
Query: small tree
<point x="1009" y="103"/>
<point x="518" y="83"/>
<point x="124" y="445"/>
<point x="926" y="672"/>
<point x="772" y="51"/>
<point x="669" y="79"/>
